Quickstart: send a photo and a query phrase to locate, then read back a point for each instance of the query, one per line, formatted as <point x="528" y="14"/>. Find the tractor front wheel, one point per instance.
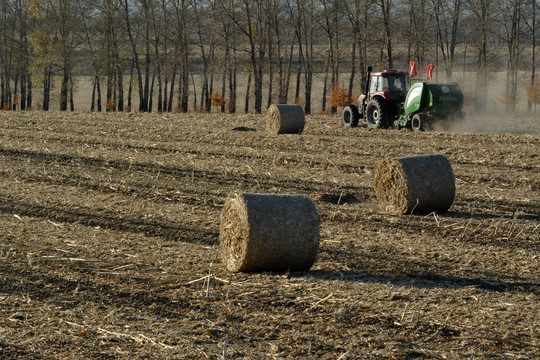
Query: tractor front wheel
<point x="418" y="122"/>
<point x="377" y="114"/>
<point x="350" y="116"/>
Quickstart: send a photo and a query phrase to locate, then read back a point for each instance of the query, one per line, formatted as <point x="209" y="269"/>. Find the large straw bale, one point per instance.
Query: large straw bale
<point x="419" y="184"/>
<point x="265" y="232"/>
<point x="285" y="119"/>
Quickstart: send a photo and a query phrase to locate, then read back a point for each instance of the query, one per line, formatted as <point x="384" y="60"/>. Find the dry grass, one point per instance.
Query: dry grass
<point x="109" y="228"/>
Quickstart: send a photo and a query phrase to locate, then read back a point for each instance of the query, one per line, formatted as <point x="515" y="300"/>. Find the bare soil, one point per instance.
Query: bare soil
<point x="109" y="231"/>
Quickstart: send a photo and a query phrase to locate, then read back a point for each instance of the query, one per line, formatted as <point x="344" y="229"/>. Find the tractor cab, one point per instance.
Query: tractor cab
<point x="388" y="84"/>
<point x="380" y="104"/>
<point x="391" y="85"/>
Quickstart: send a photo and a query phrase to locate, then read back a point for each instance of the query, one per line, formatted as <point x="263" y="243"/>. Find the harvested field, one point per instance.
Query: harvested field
<point x="109" y="243"/>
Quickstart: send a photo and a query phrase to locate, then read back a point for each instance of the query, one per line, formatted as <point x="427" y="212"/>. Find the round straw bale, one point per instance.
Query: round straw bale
<point x="419" y="184"/>
<point x="264" y="232"/>
<point x="285" y="119"/>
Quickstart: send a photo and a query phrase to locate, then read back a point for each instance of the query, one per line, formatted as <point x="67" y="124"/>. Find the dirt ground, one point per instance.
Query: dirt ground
<point x="109" y="243"/>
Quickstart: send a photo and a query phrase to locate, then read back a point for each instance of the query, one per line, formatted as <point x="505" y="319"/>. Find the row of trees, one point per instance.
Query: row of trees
<point x="154" y="49"/>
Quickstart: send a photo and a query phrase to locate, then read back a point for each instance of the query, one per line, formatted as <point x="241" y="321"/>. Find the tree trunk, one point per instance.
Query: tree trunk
<point x="533" y="56"/>
<point x="151" y="94"/>
<point x="130" y="89"/>
<point x="353" y="69"/>
<point x="93" y="100"/>
<point x="28" y="92"/>
<point x="142" y="102"/>
<point x="64" y="87"/>
<point x="325" y="87"/>
<point x="171" y="93"/>
<point x="233" y="83"/>
<point x="71" y="100"/>
<point x="47" y="88"/>
<point x="386" y="6"/>
<point x="14" y="102"/>
<point x="98" y="87"/>
<point x="224" y="88"/>
<point x="194" y="92"/>
<point x="298" y="82"/>
<point x="246" y="107"/>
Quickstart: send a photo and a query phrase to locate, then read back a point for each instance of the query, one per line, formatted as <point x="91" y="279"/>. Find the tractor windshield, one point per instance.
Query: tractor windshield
<point x="389" y="82"/>
<point x="395" y="83"/>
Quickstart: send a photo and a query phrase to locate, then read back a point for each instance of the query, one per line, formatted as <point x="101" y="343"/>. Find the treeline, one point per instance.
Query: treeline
<point x="149" y="52"/>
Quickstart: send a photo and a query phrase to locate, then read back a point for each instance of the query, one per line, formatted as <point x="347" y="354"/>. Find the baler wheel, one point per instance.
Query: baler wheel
<point x="418" y="122"/>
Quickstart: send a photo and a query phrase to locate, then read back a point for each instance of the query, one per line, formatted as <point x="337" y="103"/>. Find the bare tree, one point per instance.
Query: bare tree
<point x="96" y="63"/>
<point x="182" y="48"/>
<point x="447" y="15"/>
<point x="8" y="48"/>
<point x="329" y="23"/>
<point x="509" y="19"/>
<point x="302" y="15"/>
<point x="417" y="29"/>
<point x="205" y="30"/>
<point x="386" y="10"/>
<point x="143" y="100"/>
<point x="54" y="40"/>
<point x="230" y="48"/>
<point x="358" y="16"/>
<point x="481" y="16"/>
<point x="529" y="17"/>
<point x="284" y="37"/>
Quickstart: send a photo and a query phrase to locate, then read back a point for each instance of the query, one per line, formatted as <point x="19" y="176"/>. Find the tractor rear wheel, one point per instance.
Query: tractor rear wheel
<point x="377" y="114"/>
<point x="418" y="122"/>
<point x="350" y="116"/>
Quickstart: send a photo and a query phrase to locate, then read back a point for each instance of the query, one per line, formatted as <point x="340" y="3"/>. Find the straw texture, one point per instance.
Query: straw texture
<point x="285" y="119"/>
<point x="419" y="184"/>
<point x="264" y="232"/>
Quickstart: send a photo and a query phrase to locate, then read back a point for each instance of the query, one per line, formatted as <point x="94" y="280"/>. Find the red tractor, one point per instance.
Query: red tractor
<point x="380" y="105"/>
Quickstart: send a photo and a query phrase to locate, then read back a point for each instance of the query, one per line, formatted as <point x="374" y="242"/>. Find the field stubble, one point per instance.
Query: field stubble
<point x="109" y="242"/>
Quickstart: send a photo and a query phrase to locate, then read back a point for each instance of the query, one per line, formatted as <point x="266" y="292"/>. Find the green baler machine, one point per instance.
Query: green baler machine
<point x="429" y="103"/>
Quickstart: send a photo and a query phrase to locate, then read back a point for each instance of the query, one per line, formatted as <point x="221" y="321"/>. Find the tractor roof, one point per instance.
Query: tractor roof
<point x="389" y="72"/>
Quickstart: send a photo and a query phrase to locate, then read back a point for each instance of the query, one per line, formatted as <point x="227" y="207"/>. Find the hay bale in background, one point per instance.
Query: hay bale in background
<point x="285" y="119"/>
<point x="263" y="232"/>
<point x="419" y="184"/>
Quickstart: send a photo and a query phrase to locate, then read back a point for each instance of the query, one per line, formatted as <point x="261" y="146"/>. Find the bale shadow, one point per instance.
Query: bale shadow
<point x="243" y="128"/>
<point x="421" y="281"/>
<point x="338" y="199"/>
<point x="465" y="215"/>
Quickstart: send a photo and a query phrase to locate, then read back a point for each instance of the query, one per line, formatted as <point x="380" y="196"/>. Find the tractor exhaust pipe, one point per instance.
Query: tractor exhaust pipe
<point x="369" y="69"/>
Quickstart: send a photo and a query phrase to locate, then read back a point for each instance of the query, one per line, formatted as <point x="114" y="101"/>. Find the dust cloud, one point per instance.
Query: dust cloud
<point x="494" y="123"/>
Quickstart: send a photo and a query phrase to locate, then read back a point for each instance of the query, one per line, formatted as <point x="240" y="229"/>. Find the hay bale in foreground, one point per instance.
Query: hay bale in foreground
<point x="263" y="232"/>
<point x="419" y="184"/>
<point x="285" y="119"/>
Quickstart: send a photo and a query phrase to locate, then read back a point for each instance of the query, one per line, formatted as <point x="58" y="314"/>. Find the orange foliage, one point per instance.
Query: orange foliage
<point x="127" y="108"/>
<point x="506" y="98"/>
<point x="110" y="106"/>
<point x="339" y="97"/>
<point x="217" y="99"/>
<point x="231" y="106"/>
<point x="6" y="106"/>
<point x="533" y="91"/>
<point x="16" y="99"/>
